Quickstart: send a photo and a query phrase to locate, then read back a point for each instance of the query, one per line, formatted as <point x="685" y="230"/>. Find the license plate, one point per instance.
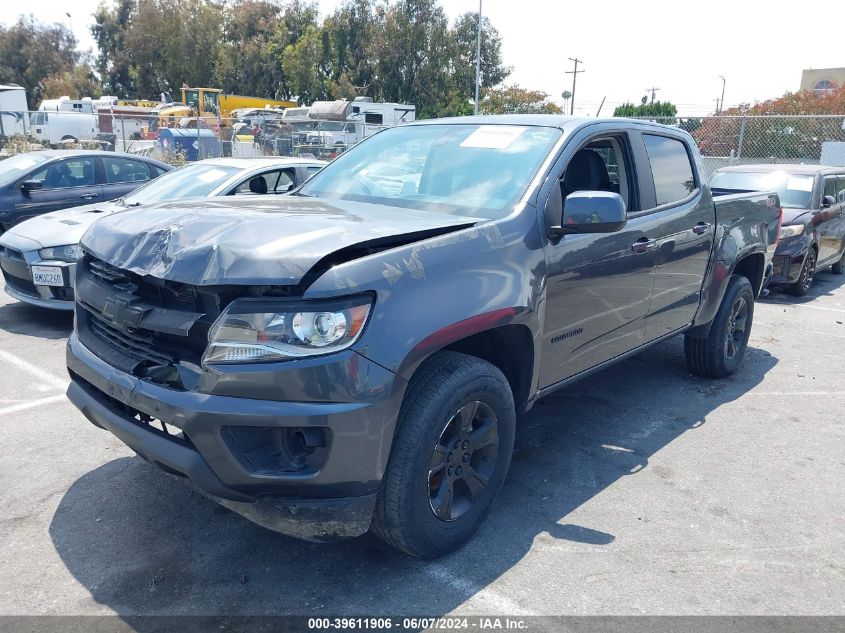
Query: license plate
<point x="47" y="276"/>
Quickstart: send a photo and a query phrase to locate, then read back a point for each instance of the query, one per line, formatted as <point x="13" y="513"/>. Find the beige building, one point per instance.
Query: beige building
<point x="822" y="78"/>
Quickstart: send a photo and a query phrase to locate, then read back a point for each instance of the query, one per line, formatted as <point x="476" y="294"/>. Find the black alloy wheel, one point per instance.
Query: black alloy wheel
<point x="737" y="325"/>
<point x="809" y="270"/>
<point x="463" y="460"/>
<point x="805" y="280"/>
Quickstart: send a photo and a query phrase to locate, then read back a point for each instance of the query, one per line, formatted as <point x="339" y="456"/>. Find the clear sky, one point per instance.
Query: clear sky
<point x="679" y="47"/>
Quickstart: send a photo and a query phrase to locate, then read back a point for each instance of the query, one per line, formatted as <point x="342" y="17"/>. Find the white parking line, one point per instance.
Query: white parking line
<point x="807" y="305"/>
<point x="26" y="366"/>
<point x="32" y="404"/>
<point x="820" y="333"/>
<point x="487" y="599"/>
<point x="795" y="393"/>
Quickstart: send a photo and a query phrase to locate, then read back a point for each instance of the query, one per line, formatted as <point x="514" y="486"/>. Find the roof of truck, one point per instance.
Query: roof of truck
<point x="544" y="120"/>
<point x="793" y="168"/>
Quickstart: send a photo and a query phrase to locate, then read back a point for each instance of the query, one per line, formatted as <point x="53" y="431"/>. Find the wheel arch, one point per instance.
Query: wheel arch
<point x="753" y="268"/>
<point x="508" y="347"/>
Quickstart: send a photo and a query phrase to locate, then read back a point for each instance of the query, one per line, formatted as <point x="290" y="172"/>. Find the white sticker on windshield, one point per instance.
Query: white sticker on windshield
<point x="211" y="175"/>
<point x="800" y="183"/>
<point x="493" y="136"/>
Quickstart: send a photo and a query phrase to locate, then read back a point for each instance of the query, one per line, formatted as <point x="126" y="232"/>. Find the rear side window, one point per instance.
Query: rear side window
<point x="125" y="170"/>
<point x="157" y="171"/>
<point x="671" y="168"/>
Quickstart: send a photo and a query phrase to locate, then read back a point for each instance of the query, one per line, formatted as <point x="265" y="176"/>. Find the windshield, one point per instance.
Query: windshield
<point x="193" y="181"/>
<point x="479" y="170"/>
<point x="793" y="190"/>
<point x="16" y="166"/>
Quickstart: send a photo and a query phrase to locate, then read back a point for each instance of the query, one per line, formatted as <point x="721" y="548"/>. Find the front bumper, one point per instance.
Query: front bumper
<point x="332" y="501"/>
<point x="788" y="261"/>
<point x="17" y="256"/>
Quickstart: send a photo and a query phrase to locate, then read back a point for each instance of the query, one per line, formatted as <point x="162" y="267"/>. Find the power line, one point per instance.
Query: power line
<point x="574" y="72"/>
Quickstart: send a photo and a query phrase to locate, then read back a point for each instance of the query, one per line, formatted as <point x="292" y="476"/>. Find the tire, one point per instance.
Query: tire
<point x="805" y="279"/>
<point x="720" y="353"/>
<point x="446" y="390"/>
<point x="839" y="267"/>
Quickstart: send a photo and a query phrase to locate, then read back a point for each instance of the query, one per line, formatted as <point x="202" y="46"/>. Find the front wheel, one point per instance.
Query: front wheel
<point x="805" y="279"/>
<point x="839" y="267"/>
<point x="449" y="458"/>
<point x="720" y="353"/>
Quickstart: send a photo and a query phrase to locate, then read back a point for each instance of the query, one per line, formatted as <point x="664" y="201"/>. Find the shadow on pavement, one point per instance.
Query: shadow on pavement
<point x="26" y="320"/>
<point x="143" y="544"/>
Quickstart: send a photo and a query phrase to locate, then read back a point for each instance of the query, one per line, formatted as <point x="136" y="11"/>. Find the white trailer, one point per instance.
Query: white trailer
<point x="344" y="123"/>
<point x="64" y="119"/>
<point x="13" y="115"/>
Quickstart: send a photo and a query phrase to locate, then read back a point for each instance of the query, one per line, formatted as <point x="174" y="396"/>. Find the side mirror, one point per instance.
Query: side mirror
<point x="28" y="186"/>
<point x="828" y="201"/>
<point x="591" y="212"/>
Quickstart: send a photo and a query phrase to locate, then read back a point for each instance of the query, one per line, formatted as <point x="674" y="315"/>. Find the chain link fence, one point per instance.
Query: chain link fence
<point x="775" y="139"/>
<point x="179" y="140"/>
<point x="722" y="140"/>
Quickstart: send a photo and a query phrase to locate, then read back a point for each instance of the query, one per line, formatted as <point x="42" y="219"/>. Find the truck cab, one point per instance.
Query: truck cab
<point x="354" y="356"/>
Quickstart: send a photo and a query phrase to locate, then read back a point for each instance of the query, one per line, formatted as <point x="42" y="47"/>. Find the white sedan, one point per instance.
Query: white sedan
<point x="38" y="256"/>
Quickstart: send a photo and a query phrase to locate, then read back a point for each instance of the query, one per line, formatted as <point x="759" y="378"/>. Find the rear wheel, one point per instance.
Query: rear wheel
<point x="839" y="267"/>
<point x="451" y="453"/>
<point x="805" y="279"/>
<point x="720" y="353"/>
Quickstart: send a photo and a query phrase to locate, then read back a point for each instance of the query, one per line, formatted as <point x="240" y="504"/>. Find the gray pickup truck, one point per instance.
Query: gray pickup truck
<point x="354" y="357"/>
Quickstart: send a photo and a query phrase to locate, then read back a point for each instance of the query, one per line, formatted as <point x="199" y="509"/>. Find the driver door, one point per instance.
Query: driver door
<point x="598" y="286"/>
<point x="69" y="182"/>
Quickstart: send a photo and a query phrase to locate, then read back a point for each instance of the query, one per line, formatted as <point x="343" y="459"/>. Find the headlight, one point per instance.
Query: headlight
<point x="265" y="330"/>
<point x="66" y="253"/>
<point x="790" y="231"/>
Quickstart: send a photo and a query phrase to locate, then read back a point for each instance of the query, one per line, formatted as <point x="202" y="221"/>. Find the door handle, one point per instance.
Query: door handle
<point x="89" y="196"/>
<point x="701" y="228"/>
<point x="643" y="245"/>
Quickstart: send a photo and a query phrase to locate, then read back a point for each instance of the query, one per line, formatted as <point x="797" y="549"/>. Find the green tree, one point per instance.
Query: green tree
<point x="31" y="51"/>
<point x="151" y="46"/>
<point x="244" y="61"/>
<point x="76" y="82"/>
<point x="516" y="100"/>
<point x="465" y="35"/>
<point x="301" y="63"/>
<point x="113" y="59"/>
<point x="656" y="109"/>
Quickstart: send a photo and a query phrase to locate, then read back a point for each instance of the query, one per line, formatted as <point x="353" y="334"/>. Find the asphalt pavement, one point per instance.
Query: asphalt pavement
<point x="640" y="490"/>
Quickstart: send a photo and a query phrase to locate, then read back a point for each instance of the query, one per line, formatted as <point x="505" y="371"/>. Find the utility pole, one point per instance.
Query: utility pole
<point x="478" y="58"/>
<point x="601" y="105"/>
<point x="652" y="91"/>
<point x="574" y="72"/>
<point x="722" y="100"/>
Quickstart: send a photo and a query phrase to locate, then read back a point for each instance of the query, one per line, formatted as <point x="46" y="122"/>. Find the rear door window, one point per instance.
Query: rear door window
<point x="119" y="170"/>
<point x="280" y="181"/>
<point x="671" y="167"/>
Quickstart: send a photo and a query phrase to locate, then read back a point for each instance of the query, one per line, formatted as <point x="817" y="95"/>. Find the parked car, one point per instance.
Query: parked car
<point x="813" y="233"/>
<point x="350" y="358"/>
<point x="38" y="257"/>
<point x="39" y="182"/>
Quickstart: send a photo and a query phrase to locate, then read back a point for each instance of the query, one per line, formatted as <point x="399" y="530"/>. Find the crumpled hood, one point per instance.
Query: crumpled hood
<point x="794" y="216"/>
<point x="250" y="240"/>
<point x="67" y="226"/>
